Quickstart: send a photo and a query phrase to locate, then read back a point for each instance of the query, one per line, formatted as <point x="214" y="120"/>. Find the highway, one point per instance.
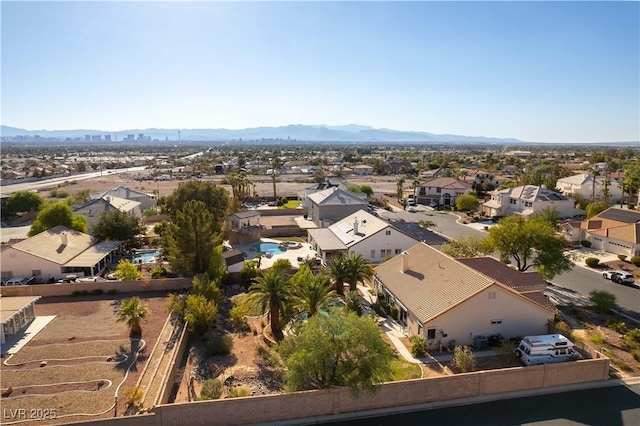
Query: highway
<point x="581" y="279"/>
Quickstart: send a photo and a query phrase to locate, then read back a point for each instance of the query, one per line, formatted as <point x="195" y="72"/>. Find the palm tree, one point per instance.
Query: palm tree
<point x="314" y="294"/>
<point x="275" y="164"/>
<point x="400" y="191"/>
<point x="415" y="185"/>
<point x="358" y="269"/>
<point x="271" y="292"/>
<point x="132" y="311"/>
<point x="338" y="271"/>
<point x="594" y="173"/>
<point x="605" y="190"/>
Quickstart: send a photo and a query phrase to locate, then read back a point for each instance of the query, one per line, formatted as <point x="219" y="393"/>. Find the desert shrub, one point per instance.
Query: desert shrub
<point x="618" y="327"/>
<point x="239" y="392"/>
<point x="622" y="257"/>
<point x="418" y="346"/>
<point x="133" y="395"/>
<point x="158" y="272"/>
<point x="269" y="357"/>
<point x="220" y="345"/>
<point x="592" y="262"/>
<point x="237" y="315"/>
<point x="211" y="389"/>
<point x="602" y="300"/>
<point x="395" y="311"/>
<point x="632" y="339"/>
<point x="585" y="243"/>
<point x="636" y="354"/>
<point x="598" y="339"/>
<point x="635" y="260"/>
<point x="463" y="359"/>
<point x="96" y="291"/>
<point x="563" y="328"/>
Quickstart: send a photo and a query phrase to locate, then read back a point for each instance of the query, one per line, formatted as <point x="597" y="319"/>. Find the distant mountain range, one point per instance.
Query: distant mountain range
<point x="293" y="132"/>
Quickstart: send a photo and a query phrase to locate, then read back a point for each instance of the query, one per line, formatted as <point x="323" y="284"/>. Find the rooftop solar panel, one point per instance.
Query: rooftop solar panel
<point x="626" y="216"/>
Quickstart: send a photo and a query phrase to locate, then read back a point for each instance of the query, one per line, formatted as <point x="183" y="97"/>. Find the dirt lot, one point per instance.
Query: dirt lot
<point x="93" y="349"/>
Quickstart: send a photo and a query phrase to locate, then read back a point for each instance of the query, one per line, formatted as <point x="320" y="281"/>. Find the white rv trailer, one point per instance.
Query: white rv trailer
<point x="546" y="349"/>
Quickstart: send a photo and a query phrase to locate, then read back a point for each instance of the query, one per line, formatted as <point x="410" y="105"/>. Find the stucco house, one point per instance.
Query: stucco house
<point x="527" y="200"/>
<point x="363" y="170"/>
<point x="54" y="253"/>
<point x="93" y="209"/>
<point x="445" y="299"/>
<point x="17" y="313"/>
<point x="585" y="185"/>
<point x="244" y="227"/>
<point x="361" y="232"/>
<point x="614" y="231"/>
<point x="147" y="201"/>
<point x="333" y="204"/>
<point x="442" y="191"/>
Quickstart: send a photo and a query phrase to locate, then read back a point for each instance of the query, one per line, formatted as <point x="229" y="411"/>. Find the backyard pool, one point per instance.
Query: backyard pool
<point x="145" y="256"/>
<point x="268" y="248"/>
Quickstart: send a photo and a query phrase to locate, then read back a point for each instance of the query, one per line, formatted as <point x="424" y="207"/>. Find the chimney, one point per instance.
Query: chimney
<point x="355" y="226"/>
<point x="63" y="238"/>
<point x="405" y="262"/>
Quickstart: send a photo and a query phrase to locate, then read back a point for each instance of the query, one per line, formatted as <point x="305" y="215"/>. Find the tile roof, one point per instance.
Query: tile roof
<point x="446" y="182"/>
<point x="49" y="244"/>
<point x="433" y="283"/>
<point x="628" y="233"/>
<point x="122" y="204"/>
<point x="504" y="274"/>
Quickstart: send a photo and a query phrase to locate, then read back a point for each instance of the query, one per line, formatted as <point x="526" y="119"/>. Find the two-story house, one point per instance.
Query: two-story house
<point x="93" y="210"/>
<point x="333" y="204"/>
<point x="147" y="201"/>
<point x="442" y="191"/>
<point x="527" y="200"/>
<point x="588" y="187"/>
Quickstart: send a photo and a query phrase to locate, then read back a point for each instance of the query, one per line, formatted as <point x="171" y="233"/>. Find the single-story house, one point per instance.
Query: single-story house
<point x="614" y="231"/>
<point x="444" y="299"/>
<point x="361" y="232"/>
<point x="362" y="170"/>
<point x="54" y="253"/>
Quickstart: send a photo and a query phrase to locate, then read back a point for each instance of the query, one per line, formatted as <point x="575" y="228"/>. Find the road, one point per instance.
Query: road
<point x="581" y="280"/>
<point x="49" y="183"/>
<point x="608" y="406"/>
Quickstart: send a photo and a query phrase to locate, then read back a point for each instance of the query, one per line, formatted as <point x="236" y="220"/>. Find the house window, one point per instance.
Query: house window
<point x="388" y="232"/>
<point x="373" y="254"/>
<point x="496" y="322"/>
<point x="382" y="252"/>
<point x="431" y="333"/>
<point x="419" y="329"/>
<point x="492" y="295"/>
<point x="398" y="251"/>
<point x="438" y="190"/>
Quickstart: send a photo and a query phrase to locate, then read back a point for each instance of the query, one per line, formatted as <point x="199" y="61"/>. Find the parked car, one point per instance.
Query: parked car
<point x="608" y="275"/>
<point x="623" y="278"/>
<point x="411" y="209"/>
<point x="18" y="281"/>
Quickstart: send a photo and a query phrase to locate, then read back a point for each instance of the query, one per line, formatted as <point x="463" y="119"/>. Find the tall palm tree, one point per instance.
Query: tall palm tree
<point x="594" y="173"/>
<point x="271" y="292"/>
<point x="275" y="164"/>
<point x="338" y="271"/>
<point x="399" y="189"/>
<point x="314" y="294"/>
<point x="605" y="190"/>
<point x="358" y="269"/>
<point x="415" y="186"/>
<point x="132" y="311"/>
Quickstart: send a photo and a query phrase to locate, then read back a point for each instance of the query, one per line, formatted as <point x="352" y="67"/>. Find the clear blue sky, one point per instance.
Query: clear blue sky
<point x="537" y="71"/>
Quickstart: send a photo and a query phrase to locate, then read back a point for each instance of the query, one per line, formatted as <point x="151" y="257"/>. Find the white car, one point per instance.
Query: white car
<point x="411" y="209"/>
<point x="609" y="274"/>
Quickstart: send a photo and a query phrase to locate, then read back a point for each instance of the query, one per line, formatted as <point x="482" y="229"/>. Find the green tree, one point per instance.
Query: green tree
<point x="549" y="214"/>
<point x="271" y="293"/>
<point x="466" y="246"/>
<point x="358" y="269"/>
<point x="602" y="300"/>
<point x="217" y="266"/>
<point x="200" y="313"/>
<point x="302" y="275"/>
<point x="282" y="265"/>
<point x="314" y="294"/>
<point x="215" y="198"/>
<point x="275" y="165"/>
<point x="467" y="202"/>
<point x="132" y="311"/>
<point x="24" y="201"/>
<point x="127" y="271"/>
<point x="318" y="175"/>
<point x="338" y="271"/>
<point x="366" y="189"/>
<point x="116" y="225"/>
<point x="57" y="214"/>
<point x="400" y="188"/>
<point x="341" y="349"/>
<point x="211" y="389"/>
<point x="191" y="240"/>
<point x="208" y="288"/>
<point x="531" y="243"/>
<point x="595" y="208"/>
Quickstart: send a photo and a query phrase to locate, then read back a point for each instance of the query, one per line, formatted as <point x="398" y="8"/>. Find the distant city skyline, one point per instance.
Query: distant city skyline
<point x="535" y="71"/>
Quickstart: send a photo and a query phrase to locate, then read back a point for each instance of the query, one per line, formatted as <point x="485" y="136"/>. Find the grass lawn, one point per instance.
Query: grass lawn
<point x="404" y="370"/>
<point x="292" y="204"/>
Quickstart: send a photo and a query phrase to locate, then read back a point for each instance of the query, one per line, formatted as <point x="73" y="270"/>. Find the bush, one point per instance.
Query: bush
<point x="636" y="355"/>
<point x="418" y="346"/>
<point x="602" y="300"/>
<point x="585" y="243"/>
<point x="622" y="257"/>
<point x="592" y="262"/>
<point x="211" y="389"/>
<point x="237" y="315"/>
<point x="395" y="311"/>
<point x="564" y="328"/>
<point x="77" y="293"/>
<point x="239" y="392"/>
<point x="133" y="395"/>
<point x="463" y="359"/>
<point x="632" y="339"/>
<point x="618" y="327"/>
<point x="220" y="345"/>
<point x="158" y="272"/>
<point x="635" y="260"/>
<point x="96" y="291"/>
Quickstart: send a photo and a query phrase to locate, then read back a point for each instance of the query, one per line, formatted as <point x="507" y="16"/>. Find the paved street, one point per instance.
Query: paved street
<point x="606" y="406"/>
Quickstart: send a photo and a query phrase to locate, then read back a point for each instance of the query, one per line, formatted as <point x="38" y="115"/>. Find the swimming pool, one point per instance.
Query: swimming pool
<point x="145" y="256"/>
<point x="268" y="248"/>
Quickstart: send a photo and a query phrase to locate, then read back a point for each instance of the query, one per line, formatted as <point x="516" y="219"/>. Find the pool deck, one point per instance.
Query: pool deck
<point x="290" y="254"/>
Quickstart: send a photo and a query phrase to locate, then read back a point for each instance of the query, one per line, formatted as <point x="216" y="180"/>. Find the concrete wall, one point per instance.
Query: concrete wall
<point x="321" y="403"/>
<point x="283" y="231"/>
<point x="168" y="284"/>
<point x="282" y="212"/>
<point x="174" y="365"/>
